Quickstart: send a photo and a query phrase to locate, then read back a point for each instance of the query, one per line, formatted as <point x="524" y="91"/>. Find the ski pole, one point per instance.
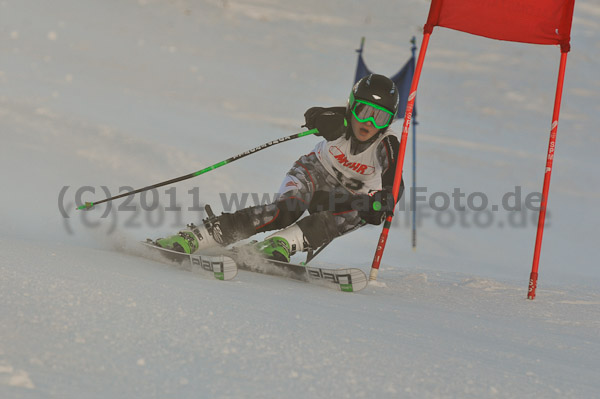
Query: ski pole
<point x="89" y="205"/>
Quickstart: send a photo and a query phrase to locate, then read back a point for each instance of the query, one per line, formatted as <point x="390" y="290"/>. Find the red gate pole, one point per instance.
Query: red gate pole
<point x="410" y="105"/>
<point x="549" y="160"/>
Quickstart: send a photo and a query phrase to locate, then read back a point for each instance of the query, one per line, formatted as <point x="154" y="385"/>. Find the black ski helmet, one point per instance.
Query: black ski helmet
<point x="376" y="89"/>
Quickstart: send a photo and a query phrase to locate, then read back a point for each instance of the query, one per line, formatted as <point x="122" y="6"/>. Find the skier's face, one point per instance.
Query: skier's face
<point x="363" y="131"/>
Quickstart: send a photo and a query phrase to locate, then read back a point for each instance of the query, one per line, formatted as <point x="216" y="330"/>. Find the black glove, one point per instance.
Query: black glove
<point x="374" y="207"/>
<point x="311" y="115"/>
<point x="330" y="125"/>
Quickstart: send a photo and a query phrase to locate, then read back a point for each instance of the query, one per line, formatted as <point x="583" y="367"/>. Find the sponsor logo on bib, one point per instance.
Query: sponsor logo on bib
<point x="357" y="167"/>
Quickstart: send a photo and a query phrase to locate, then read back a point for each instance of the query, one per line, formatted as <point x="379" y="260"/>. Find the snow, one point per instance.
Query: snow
<point x="111" y="94"/>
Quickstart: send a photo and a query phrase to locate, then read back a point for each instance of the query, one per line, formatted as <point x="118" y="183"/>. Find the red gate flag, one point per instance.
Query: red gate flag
<point x="527" y="21"/>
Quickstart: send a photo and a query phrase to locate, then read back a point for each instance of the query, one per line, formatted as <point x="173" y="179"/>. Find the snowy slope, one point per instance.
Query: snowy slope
<point x="92" y="323"/>
<point x="130" y="93"/>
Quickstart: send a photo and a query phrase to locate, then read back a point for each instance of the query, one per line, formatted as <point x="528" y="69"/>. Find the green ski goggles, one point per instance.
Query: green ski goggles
<point x="365" y="111"/>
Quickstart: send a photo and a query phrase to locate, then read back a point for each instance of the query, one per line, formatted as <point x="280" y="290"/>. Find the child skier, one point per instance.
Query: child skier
<point x="345" y="183"/>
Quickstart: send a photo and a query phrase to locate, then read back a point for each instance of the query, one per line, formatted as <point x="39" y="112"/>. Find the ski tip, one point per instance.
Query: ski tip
<point x="229" y="269"/>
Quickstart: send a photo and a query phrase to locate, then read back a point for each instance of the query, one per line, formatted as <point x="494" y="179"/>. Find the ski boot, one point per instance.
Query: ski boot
<point x="283" y="244"/>
<point x="184" y="241"/>
<point x="189" y="240"/>
<point x="195" y="238"/>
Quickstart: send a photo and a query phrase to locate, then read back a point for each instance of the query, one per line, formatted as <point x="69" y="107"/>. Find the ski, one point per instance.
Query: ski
<point x="226" y="263"/>
<point x="345" y="279"/>
<point x="222" y="267"/>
